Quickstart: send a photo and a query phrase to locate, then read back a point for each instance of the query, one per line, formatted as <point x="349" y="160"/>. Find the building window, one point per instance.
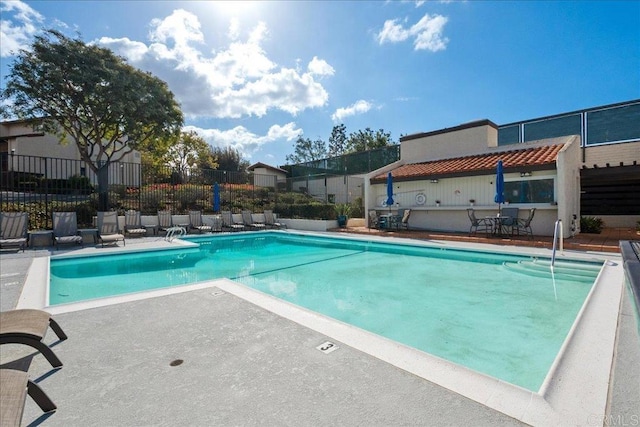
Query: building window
<point x="617" y="124"/>
<point x="529" y="191"/>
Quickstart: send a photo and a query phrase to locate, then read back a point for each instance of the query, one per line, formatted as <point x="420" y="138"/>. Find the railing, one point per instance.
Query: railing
<point x="557" y="237"/>
<point x="174" y="232"/>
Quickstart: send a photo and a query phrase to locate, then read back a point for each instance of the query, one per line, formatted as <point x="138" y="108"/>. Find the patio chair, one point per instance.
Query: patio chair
<point x="509" y="219"/>
<point x="525" y="224"/>
<point x="165" y="221"/>
<point x="247" y="219"/>
<point x="227" y="222"/>
<point x="14" y="229"/>
<point x="196" y="223"/>
<point x="29" y="326"/>
<point x="373" y="219"/>
<point x="108" y="228"/>
<point x="13" y="395"/>
<point x="404" y="221"/>
<point x="481" y="224"/>
<point x="65" y="229"/>
<point x="270" y="220"/>
<point x="133" y="224"/>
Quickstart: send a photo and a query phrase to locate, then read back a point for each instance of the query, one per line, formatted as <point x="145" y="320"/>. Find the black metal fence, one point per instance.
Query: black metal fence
<point x="42" y="185"/>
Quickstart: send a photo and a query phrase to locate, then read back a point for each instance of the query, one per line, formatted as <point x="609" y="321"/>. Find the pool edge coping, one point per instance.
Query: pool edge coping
<point x="563" y="402"/>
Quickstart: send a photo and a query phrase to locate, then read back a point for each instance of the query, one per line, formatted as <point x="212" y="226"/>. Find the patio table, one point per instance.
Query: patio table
<point x="497" y="224"/>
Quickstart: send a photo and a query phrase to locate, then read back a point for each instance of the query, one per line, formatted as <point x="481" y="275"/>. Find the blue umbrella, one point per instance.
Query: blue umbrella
<point x="389" y="190"/>
<point x="499" y="184"/>
<point x="216" y="197"/>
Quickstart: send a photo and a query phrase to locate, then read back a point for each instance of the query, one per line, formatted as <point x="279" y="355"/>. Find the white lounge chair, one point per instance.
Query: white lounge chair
<point x="108" y="229"/>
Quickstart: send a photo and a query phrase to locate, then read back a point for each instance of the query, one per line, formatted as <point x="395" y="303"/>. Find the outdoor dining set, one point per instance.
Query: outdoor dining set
<point x="506" y="223"/>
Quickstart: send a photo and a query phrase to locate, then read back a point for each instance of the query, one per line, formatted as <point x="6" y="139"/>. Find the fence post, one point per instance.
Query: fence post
<point x="103" y="185"/>
<point x="46" y="191"/>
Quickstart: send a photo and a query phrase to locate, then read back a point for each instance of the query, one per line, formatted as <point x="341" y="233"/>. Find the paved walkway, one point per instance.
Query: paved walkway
<point x="607" y="241"/>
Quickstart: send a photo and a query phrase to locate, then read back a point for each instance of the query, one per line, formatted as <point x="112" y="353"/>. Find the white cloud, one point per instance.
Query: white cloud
<point x="246" y="142"/>
<point x="238" y="80"/>
<point x="234" y="29"/>
<point x="427" y="33"/>
<point x="359" y="107"/>
<point x="17" y="33"/>
<point x="320" y="67"/>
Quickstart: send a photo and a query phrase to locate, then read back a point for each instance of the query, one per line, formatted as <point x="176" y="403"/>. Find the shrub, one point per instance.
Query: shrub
<point x="591" y="224"/>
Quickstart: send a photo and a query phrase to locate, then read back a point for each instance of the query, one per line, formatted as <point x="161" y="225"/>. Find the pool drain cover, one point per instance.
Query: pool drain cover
<point x="176" y="362"/>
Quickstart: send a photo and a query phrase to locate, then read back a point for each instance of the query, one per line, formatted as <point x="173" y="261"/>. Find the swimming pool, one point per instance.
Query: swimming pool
<point x="503" y="315"/>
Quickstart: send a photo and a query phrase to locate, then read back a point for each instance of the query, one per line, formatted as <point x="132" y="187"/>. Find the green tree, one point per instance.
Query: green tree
<point x="307" y="150"/>
<point x="92" y="96"/>
<point x="230" y="159"/>
<point x="338" y="140"/>
<point x="188" y="152"/>
<point x="368" y="140"/>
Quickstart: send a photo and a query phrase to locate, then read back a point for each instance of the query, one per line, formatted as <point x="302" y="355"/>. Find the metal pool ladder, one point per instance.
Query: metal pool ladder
<point x="174" y="232"/>
<point x="557" y="236"/>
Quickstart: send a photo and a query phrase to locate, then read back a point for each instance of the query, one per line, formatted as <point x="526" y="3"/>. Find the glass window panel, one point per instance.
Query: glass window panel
<point x="529" y="191"/>
<point x="613" y="124"/>
<point x="509" y="135"/>
<point x="552" y="128"/>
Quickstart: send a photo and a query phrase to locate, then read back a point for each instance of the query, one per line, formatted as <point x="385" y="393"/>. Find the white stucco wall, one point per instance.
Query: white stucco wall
<point x="463" y="142"/>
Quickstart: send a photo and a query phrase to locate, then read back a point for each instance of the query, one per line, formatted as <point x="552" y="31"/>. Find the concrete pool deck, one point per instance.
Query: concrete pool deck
<point x="243" y="365"/>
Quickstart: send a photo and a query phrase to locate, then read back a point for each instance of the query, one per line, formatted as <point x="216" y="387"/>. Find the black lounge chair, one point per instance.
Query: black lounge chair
<point x="108" y="228"/>
<point x="133" y="224"/>
<point x="196" y="222"/>
<point x="227" y="222"/>
<point x="270" y="220"/>
<point x="14" y="229"/>
<point x="247" y="219"/>
<point x="65" y="229"/>
<point x="14" y="387"/>
<point x="28" y="326"/>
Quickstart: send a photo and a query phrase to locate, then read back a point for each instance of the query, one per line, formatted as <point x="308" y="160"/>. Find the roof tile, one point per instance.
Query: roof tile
<point x="537" y="156"/>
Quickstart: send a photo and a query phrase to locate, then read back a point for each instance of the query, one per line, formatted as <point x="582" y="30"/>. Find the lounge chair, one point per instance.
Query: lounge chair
<point x="14" y="228"/>
<point x="28" y="326"/>
<point x="14" y="387"/>
<point x="247" y="219"/>
<point x="525" y="224"/>
<point x="227" y="222"/>
<point x="108" y="228"/>
<point x="65" y="229"/>
<point x="133" y="224"/>
<point x="196" y="223"/>
<point x="508" y="220"/>
<point x="165" y="220"/>
<point x="270" y="220"/>
<point x="481" y="224"/>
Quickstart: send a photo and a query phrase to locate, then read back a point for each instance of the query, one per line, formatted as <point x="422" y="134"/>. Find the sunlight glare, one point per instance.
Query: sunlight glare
<point x="235" y="8"/>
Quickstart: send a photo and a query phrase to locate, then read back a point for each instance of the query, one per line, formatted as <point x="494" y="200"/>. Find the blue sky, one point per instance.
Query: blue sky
<point x="256" y="75"/>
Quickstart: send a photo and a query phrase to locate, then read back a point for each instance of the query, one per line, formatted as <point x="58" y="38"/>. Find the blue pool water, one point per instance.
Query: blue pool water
<point x="503" y="315"/>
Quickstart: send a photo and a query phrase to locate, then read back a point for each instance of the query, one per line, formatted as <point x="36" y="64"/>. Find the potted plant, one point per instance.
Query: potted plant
<point x="472" y="202"/>
<point x="437" y="202"/>
<point x="342" y="211"/>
